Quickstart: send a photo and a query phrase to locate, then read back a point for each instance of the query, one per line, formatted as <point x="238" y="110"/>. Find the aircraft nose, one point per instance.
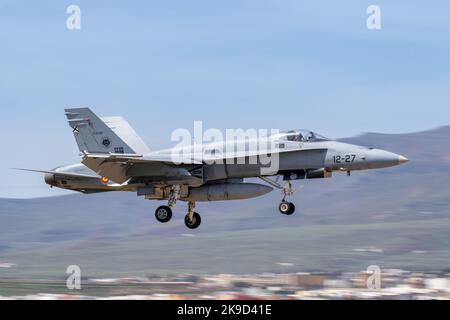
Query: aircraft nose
<point x="380" y="159"/>
<point x="402" y="159"/>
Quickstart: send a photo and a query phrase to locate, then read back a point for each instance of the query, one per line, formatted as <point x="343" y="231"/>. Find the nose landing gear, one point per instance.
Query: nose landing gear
<point x="286" y="208"/>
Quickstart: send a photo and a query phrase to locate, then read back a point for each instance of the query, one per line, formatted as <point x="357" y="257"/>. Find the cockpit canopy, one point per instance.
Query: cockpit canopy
<point x="300" y="136"/>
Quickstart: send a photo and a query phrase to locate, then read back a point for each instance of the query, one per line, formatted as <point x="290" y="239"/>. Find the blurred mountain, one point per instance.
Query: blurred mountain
<point x="397" y="217"/>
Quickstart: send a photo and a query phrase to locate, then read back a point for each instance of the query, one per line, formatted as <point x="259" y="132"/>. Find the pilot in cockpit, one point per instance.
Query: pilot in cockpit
<point x="303" y="136"/>
<point x="294" y="136"/>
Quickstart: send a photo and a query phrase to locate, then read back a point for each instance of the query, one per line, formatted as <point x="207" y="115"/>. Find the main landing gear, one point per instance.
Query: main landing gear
<point x="192" y="219"/>
<point x="164" y="213"/>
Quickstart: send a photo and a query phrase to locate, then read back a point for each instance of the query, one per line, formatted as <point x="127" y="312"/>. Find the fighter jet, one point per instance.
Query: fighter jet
<point x="114" y="158"/>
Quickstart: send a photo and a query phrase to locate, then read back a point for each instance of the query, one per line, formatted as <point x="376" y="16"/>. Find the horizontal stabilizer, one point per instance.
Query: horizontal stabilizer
<point x="136" y="158"/>
<point x="60" y="173"/>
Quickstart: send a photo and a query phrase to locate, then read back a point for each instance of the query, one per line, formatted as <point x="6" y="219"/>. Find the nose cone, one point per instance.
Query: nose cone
<point x="402" y="159"/>
<point x="377" y="158"/>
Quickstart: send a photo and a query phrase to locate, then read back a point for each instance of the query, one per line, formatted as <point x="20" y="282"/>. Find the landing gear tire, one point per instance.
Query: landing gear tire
<point x="193" y="223"/>
<point x="287" y="208"/>
<point x="163" y="214"/>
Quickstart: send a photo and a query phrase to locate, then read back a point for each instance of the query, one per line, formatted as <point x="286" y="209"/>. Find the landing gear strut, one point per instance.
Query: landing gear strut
<point x="174" y="195"/>
<point x="192" y="219"/>
<point x="164" y="213"/>
<point x="287" y="207"/>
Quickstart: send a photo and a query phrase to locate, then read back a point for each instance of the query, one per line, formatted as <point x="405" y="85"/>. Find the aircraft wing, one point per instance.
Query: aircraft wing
<point x="116" y="166"/>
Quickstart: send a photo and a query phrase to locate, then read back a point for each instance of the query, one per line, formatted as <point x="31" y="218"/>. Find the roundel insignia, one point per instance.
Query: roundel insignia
<point x="104" y="180"/>
<point x="106" y="142"/>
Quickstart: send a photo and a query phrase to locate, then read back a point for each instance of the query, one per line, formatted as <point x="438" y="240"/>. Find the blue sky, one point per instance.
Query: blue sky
<point x="233" y="64"/>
